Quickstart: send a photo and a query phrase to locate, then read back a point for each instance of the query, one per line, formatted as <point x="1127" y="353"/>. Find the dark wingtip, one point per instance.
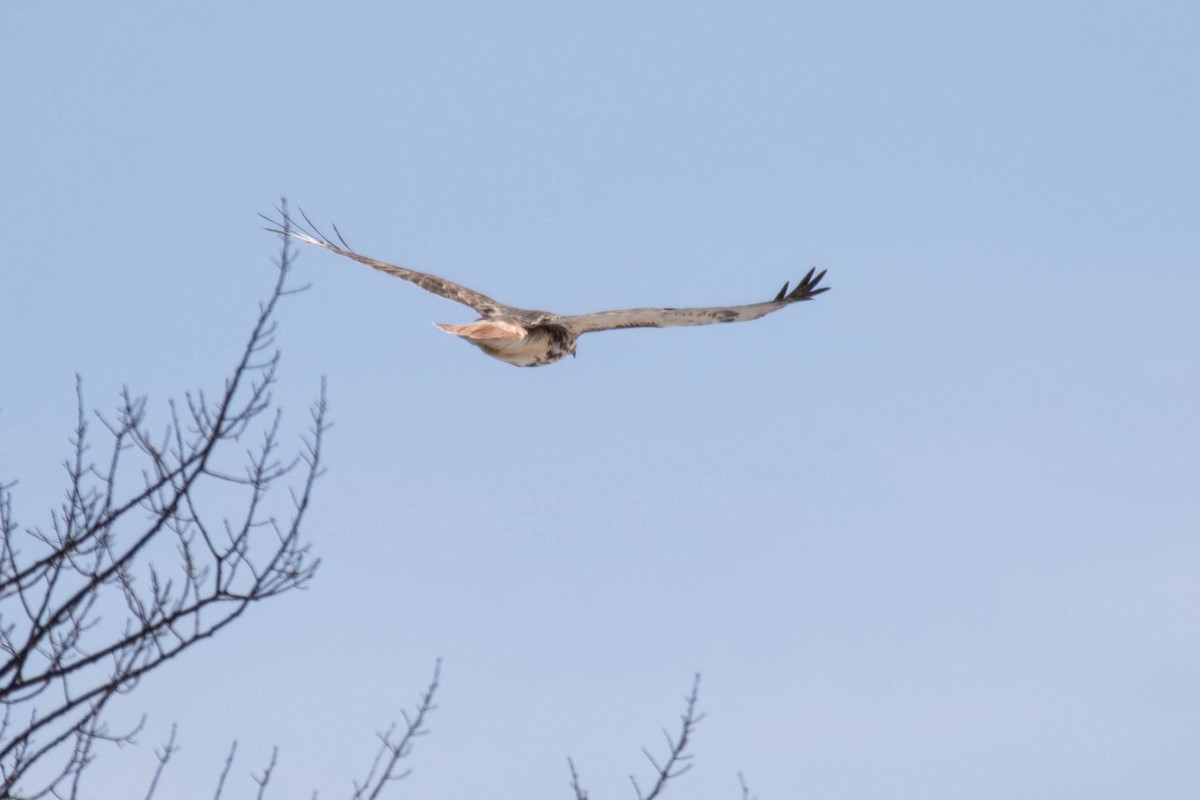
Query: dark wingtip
<point x="807" y="289"/>
<point x="782" y="292"/>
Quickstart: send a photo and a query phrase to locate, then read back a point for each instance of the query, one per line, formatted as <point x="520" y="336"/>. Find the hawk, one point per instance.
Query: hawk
<point x="529" y="338"/>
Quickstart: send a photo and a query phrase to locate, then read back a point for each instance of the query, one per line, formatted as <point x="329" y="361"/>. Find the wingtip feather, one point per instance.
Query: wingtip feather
<point x="807" y="289"/>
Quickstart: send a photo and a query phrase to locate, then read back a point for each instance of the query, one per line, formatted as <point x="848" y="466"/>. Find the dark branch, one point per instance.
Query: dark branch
<point x="677" y="759"/>
<point x="163" y="757"/>
<point x="225" y="771"/>
<point x="385" y="767"/>
<point x="580" y="793"/>
<point x="63" y="661"/>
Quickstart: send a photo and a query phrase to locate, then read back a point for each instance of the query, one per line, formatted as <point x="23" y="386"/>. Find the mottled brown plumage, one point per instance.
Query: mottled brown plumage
<point x="531" y="338"/>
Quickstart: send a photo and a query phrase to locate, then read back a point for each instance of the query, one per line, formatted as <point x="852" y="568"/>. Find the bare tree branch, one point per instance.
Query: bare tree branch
<point x="745" y="788"/>
<point x="265" y="778"/>
<point x="225" y="771"/>
<point x="677" y="759"/>
<point x="385" y="766"/>
<point x="580" y="794"/>
<point x="163" y="756"/>
<point x="122" y="580"/>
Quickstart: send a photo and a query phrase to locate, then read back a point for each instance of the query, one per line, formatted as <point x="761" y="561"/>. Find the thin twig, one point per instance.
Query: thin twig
<point x="225" y="771"/>
<point x="265" y="778"/>
<point x="745" y="788"/>
<point x="163" y="755"/>
<point x="580" y="794"/>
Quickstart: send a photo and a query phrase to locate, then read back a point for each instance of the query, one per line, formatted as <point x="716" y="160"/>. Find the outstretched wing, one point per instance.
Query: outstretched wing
<point x="484" y="305"/>
<point x="670" y="317"/>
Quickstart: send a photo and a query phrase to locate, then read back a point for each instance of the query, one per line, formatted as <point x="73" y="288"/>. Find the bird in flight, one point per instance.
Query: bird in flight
<point x="528" y="338"/>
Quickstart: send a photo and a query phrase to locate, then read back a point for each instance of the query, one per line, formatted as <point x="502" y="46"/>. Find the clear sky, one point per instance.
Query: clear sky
<point x="933" y="535"/>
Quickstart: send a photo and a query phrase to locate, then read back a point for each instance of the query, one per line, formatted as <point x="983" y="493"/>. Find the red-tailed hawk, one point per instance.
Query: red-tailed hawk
<point x="529" y="338"/>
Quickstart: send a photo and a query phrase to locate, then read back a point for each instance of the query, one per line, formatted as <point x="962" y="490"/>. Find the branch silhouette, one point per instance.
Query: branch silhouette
<point x="124" y="579"/>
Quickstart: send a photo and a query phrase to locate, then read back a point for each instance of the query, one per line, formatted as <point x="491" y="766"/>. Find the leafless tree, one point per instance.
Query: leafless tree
<point x="131" y="572"/>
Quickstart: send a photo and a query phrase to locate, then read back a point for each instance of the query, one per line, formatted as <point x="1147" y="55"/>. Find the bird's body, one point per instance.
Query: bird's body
<point x="515" y="343"/>
<point x="529" y="338"/>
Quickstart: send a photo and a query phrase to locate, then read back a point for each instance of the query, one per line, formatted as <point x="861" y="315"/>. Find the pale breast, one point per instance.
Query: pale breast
<point x="528" y="351"/>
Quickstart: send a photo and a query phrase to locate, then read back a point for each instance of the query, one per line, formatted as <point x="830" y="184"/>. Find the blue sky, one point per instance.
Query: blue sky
<point x="933" y="535"/>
